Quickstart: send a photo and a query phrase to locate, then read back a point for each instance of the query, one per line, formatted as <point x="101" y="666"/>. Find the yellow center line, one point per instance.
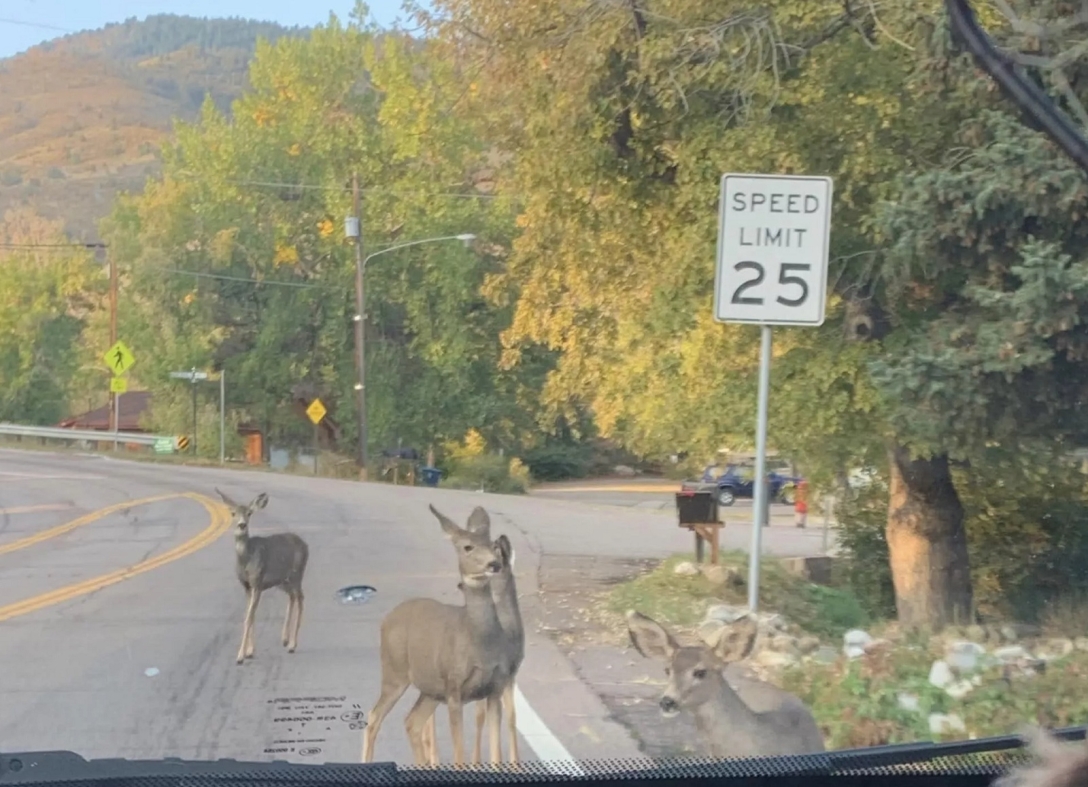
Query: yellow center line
<point x="86" y="519"/>
<point x="219" y="523"/>
<point x="29" y="509"/>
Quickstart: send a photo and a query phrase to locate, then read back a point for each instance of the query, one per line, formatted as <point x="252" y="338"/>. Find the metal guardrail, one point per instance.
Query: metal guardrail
<point x="74" y="435"/>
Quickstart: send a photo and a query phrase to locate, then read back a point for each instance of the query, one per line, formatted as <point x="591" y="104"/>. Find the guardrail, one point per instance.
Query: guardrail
<point x="75" y="435"/>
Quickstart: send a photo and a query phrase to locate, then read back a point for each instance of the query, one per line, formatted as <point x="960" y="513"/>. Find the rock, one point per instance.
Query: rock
<point x="723" y="575"/>
<point x="825" y="654"/>
<point x="976" y="633"/>
<point x="854" y="643"/>
<point x="808" y="645"/>
<point x="1009" y="633"/>
<point x="940" y="723"/>
<point x="774" y="658"/>
<point x="1011" y="654"/>
<point x="1081" y="643"/>
<point x="940" y="674"/>
<point x="725" y="613"/>
<point x="909" y="702"/>
<point x="710" y="631"/>
<point x="624" y="471"/>
<point x="963" y="656"/>
<point x="773" y="622"/>
<point x="959" y="689"/>
<point x="686" y="569"/>
<point x="1054" y="649"/>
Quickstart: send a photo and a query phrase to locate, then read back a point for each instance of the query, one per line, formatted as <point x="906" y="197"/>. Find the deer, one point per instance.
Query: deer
<point x="1058" y="764"/>
<point x="505" y="593"/>
<point x="452" y="654"/>
<point x="265" y="562"/>
<point x="728" y="726"/>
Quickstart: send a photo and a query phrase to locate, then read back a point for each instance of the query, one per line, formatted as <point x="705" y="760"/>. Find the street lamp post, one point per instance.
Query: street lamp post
<point x="353" y="229"/>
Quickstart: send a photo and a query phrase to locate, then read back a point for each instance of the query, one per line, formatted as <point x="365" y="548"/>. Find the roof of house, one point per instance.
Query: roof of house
<point x="131" y="406"/>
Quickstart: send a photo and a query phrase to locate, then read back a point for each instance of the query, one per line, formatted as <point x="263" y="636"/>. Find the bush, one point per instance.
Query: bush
<point x="558" y="461"/>
<point x="490" y="473"/>
<point x="864" y="567"/>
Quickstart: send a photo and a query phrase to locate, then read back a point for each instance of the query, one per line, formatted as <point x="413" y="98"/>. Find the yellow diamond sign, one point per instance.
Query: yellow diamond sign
<point x="119" y="358"/>
<point x="316" y="411"/>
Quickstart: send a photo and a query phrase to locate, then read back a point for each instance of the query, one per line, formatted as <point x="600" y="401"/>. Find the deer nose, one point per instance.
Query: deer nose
<point x="668" y="704"/>
<point x="494" y="567"/>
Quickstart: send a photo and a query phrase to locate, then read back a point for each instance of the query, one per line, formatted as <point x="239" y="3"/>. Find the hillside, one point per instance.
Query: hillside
<point x="81" y="117"/>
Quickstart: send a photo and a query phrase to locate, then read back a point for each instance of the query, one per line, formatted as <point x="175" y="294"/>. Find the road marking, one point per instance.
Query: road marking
<point x="219" y="523"/>
<point x="30" y="509"/>
<point x="548" y="748"/>
<point x="50" y="476"/>
<point x="86" y="519"/>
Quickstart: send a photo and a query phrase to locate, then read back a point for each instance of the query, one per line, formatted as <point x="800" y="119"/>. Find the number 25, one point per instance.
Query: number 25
<point x="785" y="277"/>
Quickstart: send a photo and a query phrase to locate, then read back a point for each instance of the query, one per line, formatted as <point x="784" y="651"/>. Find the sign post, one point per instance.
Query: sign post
<point x="193" y="376"/>
<point x="316" y="411"/>
<point x="774" y="233"/>
<point x="119" y="359"/>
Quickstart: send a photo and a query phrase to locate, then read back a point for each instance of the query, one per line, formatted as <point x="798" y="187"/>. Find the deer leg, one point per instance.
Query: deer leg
<point x="251" y="613"/>
<point x="494" y="730"/>
<point x="481" y="714"/>
<point x="457" y="729"/>
<point x="431" y="740"/>
<point x="391" y="692"/>
<point x="245" y="625"/>
<point x="288" y="618"/>
<point x="298" y="622"/>
<point x="511" y="720"/>
<point x="416" y="724"/>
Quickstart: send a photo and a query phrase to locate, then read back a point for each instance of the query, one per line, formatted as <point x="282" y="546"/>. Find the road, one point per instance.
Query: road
<point x="120" y="613"/>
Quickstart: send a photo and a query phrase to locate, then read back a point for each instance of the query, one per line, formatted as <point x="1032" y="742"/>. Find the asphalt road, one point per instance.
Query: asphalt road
<point x="120" y="614"/>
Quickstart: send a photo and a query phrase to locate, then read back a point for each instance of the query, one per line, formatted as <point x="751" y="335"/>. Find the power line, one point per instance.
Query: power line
<point x="224" y="277"/>
<point x="347" y="189"/>
<point x="43" y="26"/>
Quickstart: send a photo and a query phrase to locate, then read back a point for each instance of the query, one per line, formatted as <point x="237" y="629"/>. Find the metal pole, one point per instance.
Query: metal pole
<point x="829" y="501"/>
<point x="192" y="382"/>
<point x="360" y="332"/>
<point x="116" y="418"/>
<point x="760" y="502"/>
<point x="114" y="407"/>
<point x="222" y="417"/>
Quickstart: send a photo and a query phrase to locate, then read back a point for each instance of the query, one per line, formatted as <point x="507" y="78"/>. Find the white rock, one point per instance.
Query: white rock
<point x="854" y="643"/>
<point x="1081" y="643"/>
<point x="909" y="702"/>
<point x="1054" y="649"/>
<point x="945" y="722"/>
<point x="959" y="689"/>
<point x="710" y="631"/>
<point x="725" y="613"/>
<point x="940" y="674"/>
<point x="774" y="658"/>
<point x="964" y="656"/>
<point x="1011" y="653"/>
<point x="625" y="471"/>
<point x="686" y="569"/>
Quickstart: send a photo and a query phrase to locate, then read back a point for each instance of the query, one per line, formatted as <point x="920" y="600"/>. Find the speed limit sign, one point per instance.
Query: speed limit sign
<point x="773" y="237"/>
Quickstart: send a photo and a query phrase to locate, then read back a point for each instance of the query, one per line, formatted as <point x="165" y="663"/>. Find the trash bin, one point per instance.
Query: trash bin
<point x="696" y="507"/>
<point x="431" y="476"/>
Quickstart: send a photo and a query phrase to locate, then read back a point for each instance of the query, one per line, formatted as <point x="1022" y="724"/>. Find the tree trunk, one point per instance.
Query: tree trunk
<point x="927" y="543"/>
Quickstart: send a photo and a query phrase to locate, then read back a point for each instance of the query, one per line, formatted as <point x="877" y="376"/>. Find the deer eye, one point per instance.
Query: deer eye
<point x="468" y="547"/>
<point x="699" y="673"/>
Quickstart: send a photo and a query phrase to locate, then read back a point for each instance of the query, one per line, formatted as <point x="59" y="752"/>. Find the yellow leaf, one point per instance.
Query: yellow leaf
<point x="325" y="228"/>
<point x="294" y="150"/>
<point x="285" y="255"/>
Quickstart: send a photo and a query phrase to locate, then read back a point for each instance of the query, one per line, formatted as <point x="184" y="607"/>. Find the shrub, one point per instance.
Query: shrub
<point x="489" y="472"/>
<point x="557" y="461"/>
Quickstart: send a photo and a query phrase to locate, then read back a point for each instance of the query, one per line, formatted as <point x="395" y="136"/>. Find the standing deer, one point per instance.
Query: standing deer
<point x="729" y="726"/>
<point x="505" y="593"/>
<point x="1059" y="764"/>
<point x="265" y="562"/>
<point x="452" y="654"/>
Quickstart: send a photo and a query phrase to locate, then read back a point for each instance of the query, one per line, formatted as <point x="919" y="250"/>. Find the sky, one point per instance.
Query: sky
<point x="27" y="23"/>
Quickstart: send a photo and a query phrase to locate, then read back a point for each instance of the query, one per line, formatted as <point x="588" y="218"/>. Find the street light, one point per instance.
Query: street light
<point x="353" y="231"/>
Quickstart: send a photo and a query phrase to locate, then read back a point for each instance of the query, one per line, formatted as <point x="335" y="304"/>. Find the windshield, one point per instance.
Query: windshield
<point x="409" y="384"/>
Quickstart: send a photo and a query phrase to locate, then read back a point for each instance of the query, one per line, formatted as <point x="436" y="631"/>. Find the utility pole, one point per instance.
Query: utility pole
<point x="114" y="402"/>
<point x="360" y="320"/>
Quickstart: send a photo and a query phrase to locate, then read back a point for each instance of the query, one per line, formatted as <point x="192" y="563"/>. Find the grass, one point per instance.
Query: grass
<point x="825" y="612"/>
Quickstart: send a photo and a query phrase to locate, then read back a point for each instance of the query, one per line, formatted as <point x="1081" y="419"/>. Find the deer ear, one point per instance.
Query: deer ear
<point x="449" y="527"/>
<point x="478" y="521"/>
<point x="649" y="637"/>
<point x="506" y="548"/>
<point x="226" y="499"/>
<point x="260" y="501"/>
<point x="736" y="641"/>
